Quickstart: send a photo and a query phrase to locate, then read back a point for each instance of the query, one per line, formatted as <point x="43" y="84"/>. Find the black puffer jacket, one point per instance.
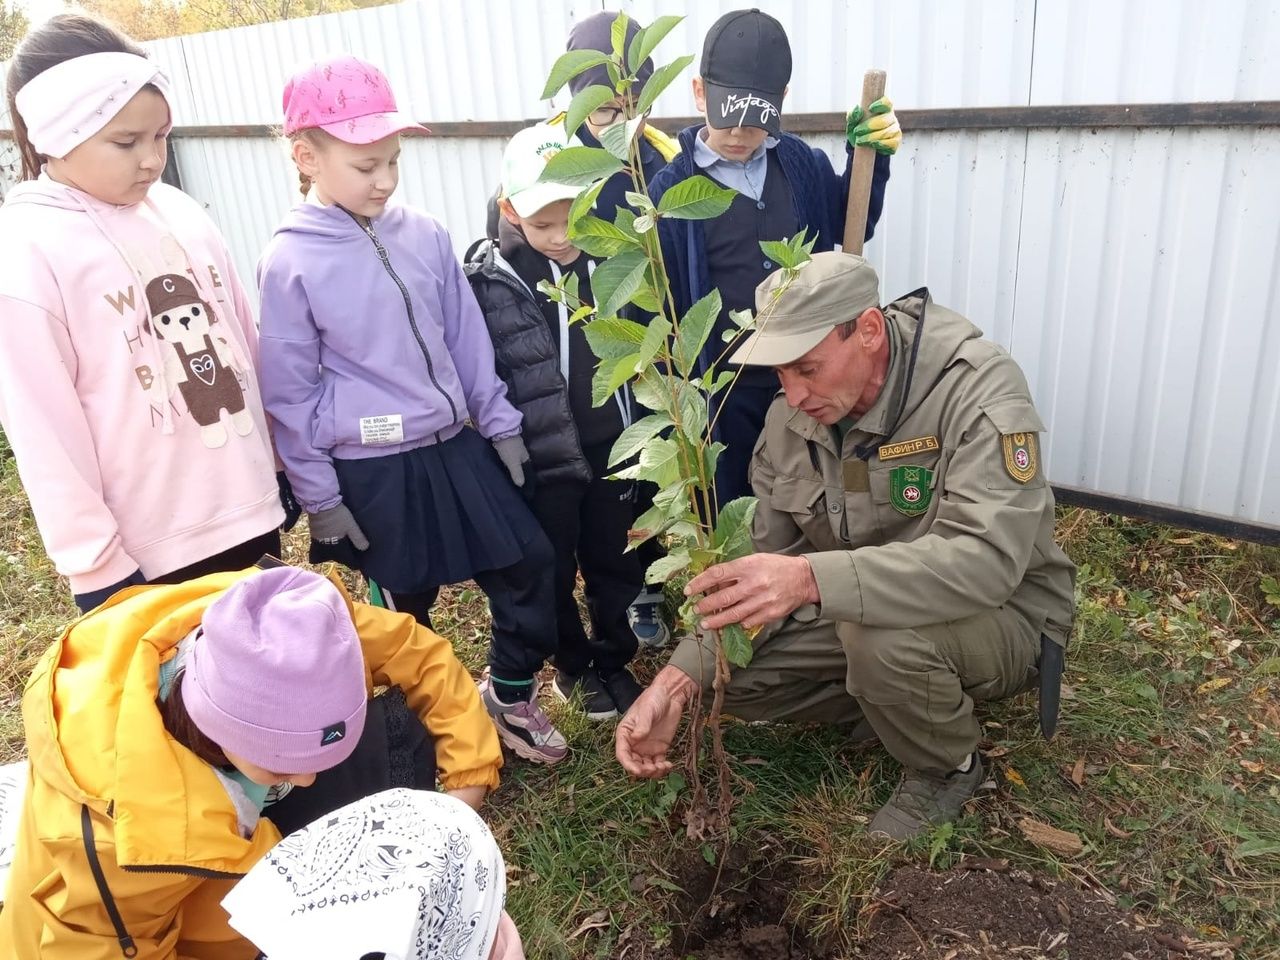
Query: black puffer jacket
<point x="528" y="361"/>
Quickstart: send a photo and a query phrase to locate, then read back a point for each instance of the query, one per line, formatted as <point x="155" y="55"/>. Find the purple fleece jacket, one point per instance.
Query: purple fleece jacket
<point x="354" y="364"/>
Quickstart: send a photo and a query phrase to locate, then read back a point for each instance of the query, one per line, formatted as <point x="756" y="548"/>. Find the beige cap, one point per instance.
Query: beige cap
<point x="830" y="289"/>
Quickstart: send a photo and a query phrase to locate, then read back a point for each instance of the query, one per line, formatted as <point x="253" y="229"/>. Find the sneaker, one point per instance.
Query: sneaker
<point x="523" y="726"/>
<point x="922" y="801"/>
<point x="596" y="702"/>
<point x="645" y="617"/>
<point x="622" y="688"/>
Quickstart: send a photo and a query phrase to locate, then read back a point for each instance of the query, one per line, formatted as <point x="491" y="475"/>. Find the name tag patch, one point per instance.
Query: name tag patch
<point x="379" y="430"/>
<point x="892" y="451"/>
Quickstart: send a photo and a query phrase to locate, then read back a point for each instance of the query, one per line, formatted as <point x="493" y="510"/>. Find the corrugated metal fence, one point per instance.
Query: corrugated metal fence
<point x="1129" y="259"/>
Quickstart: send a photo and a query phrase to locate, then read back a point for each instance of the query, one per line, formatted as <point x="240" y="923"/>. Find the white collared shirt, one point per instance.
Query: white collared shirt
<point x="745" y="176"/>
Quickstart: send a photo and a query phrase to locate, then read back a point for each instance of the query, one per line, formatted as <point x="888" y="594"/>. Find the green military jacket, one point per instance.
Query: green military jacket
<point x="933" y="505"/>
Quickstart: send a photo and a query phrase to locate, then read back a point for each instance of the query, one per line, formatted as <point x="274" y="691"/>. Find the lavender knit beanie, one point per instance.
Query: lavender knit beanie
<point x="277" y="676"/>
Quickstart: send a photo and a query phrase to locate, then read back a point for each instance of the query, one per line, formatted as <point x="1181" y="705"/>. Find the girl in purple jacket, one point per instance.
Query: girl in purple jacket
<point x="378" y="374"/>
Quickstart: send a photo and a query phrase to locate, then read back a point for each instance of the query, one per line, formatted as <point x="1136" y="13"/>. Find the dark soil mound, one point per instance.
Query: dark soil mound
<point x="736" y="911"/>
<point x="979" y="913"/>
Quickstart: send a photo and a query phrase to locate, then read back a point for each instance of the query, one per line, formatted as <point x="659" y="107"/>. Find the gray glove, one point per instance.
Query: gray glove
<point x="514" y="456"/>
<point x="330" y="526"/>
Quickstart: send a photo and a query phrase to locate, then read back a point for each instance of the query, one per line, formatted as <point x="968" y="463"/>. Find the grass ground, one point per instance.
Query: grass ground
<point x="1166" y="765"/>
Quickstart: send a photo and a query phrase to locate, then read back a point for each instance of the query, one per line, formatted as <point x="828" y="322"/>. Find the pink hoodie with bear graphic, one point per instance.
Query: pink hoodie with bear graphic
<point x="128" y="384"/>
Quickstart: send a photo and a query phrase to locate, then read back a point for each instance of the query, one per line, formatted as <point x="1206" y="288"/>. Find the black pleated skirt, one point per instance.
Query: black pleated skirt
<point x="436" y="515"/>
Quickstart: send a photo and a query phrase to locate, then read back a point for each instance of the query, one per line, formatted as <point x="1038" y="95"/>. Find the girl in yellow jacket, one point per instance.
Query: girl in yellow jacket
<point x="174" y="732"/>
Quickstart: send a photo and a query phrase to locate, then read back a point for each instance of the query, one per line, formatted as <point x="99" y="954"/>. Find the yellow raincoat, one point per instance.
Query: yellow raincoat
<point x="110" y="786"/>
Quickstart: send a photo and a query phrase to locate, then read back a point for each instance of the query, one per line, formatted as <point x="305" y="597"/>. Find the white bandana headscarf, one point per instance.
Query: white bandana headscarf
<point x="68" y="103"/>
<point x="407" y="873"/>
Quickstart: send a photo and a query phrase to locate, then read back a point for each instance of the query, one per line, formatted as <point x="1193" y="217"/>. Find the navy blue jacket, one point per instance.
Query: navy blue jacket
<point x="820" y="198"/>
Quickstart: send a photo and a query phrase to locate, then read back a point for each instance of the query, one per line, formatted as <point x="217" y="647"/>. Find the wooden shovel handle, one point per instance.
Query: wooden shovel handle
<point x="864" y="161"/>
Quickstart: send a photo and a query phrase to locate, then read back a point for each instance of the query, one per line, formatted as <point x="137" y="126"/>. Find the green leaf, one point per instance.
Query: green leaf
<point x="722" y="380"/>
<point x="651" y="392"/>
<point x="669" y="508"/>
<point x="1258" y="848"/>
<point x="580" y="166"/>
<point x="645" y="299"/>
<point x="615" y="77"/>
<point x="1147" y="692"/>
<point x="618" y="34"/>
<point x="583" y="104"/>
<point x="662" y="569"/>
<point x="613" y="337"/>
<point x="698" y="198"/>
<point x="639" y="200"/>
<point x="585" y="202"/>
<point x="567" y="66"/>
<point x="737" y="647"/>
<point x="710" y="456"/>
<point x="655" y="339"/>
<point x="660" y="80"/>
<point x="777" y="251"/>
<point x="742" y="319"/>
<point x="1268" y="668"/>
<point x="615" y="280"/>
<point x="733" y="527"/>
<point x="788" y="254"/>
<point x="660" y="462"/>
<point x="617" y="137"/>
<point x="693" y="413"/>
<point x="609" y="376"/>
<point x="632" y="440"/>
<point x="600" y="238"/>
<point x="646" y="41"/>
<point x="695" y="327"/>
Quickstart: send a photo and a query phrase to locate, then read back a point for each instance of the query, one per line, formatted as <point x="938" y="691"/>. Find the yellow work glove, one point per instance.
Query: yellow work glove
<point x="878" y="129"/>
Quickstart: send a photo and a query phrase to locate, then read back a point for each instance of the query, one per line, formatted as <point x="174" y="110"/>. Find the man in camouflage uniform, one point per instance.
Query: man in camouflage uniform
<point x="905" y="566"/>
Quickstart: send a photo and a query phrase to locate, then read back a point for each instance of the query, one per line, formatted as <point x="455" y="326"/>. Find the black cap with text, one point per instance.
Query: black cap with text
<point x="746" y="66"/>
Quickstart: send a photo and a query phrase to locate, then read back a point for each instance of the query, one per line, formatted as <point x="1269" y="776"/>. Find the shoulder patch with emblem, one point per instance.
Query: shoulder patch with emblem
<point x="1021" y="455"/>
<point x="909" y="489"/>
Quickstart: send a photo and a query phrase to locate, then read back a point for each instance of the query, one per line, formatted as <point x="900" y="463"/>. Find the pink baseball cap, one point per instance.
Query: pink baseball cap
<point x="346" y="98"/>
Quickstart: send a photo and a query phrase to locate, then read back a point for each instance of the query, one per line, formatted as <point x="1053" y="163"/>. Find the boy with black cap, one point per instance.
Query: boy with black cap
<point x="784" y="186"/>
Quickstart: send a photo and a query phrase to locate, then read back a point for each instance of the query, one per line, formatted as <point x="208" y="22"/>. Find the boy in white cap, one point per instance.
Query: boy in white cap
<point x="548" y="368"/>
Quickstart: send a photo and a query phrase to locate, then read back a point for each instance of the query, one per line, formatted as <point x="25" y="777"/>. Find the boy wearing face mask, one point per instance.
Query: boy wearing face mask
<point x="784" y="186"/>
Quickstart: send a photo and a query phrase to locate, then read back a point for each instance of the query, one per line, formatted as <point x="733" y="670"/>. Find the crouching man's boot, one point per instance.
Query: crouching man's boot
<point x="923" y="800"/>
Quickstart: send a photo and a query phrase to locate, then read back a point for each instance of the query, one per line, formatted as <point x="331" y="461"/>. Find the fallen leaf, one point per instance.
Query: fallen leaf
<point x="1077" y="773"/>
<point x="597" y="921"/>
<point x="995" y="753"/>
<point x="1051" y="838"/>
<point x="1172" y="943"/>
<point x="1253" y="766"/>
<point x="1211" y="685"/>
<point x="1115" y="831"/>
<point x="1014" y="777"/>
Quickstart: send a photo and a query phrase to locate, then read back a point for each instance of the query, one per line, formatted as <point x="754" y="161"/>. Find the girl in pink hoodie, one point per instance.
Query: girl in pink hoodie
<point x="128" y="388"/>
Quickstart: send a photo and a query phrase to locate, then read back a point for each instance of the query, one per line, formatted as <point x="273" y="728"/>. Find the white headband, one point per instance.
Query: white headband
<point x="67" y="104"/>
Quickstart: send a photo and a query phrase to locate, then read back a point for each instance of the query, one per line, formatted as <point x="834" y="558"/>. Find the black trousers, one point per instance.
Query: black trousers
<point x="234" y="558"/>
<point x="394" y="750"/>
<point x="520" y="607"/>
<point x="587" y="525"/>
